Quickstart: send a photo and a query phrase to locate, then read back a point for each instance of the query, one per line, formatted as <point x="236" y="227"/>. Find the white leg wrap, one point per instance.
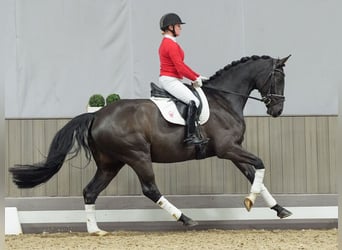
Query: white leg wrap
<point x="171" y="209"/>
<point x="268" y="198"/>
<point x="91" y="219"/>
<point x="258" y="181"/>
<point x="252" y="197"/>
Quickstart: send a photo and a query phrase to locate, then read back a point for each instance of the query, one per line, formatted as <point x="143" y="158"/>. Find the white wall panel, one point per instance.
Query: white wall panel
<point x="64" y="51"/>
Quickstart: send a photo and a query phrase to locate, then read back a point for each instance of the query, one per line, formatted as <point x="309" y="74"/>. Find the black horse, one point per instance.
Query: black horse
<point x="133" y="132"/>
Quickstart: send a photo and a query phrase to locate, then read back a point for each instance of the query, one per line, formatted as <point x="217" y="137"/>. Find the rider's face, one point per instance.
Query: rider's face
<point x="178" y="29"/>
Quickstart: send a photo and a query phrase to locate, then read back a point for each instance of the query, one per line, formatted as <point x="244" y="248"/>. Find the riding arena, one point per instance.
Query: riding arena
<point x="121" y="176"/>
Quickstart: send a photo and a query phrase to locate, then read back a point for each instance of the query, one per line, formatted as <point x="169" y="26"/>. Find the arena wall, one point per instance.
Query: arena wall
<point x="299" y="154"/>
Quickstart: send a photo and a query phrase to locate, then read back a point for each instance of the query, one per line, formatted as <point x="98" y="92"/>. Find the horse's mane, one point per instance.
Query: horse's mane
<point x="235" y="63"/>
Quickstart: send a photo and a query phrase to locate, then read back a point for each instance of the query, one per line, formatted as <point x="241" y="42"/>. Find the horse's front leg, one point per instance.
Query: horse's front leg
<point x="249" y="172"/>
<point x="150" y="190"/>
<point x="237" y="154"/>
<point x="256" y="188"/>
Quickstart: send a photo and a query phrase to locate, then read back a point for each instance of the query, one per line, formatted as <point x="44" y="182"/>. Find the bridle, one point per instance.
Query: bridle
<point x="270" y="99"/>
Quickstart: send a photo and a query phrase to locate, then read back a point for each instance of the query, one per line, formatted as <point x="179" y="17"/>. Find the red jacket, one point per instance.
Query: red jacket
<point x="172" y="61"/>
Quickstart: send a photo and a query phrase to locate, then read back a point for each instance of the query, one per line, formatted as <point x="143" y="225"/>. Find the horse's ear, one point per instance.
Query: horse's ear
<point x="281" y="62"/>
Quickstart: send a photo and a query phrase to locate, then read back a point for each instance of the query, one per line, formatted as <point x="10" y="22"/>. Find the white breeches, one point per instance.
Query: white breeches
<point x="176" y="88"/>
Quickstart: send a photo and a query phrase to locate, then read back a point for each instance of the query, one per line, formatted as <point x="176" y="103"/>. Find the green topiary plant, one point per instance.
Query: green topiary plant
<point x="96" y="100"/>
<point x="112" y="98"/>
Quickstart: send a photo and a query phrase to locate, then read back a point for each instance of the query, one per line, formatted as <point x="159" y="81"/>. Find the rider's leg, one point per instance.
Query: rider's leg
<point x="176" y="88"/>
<point x="192" y="134"/>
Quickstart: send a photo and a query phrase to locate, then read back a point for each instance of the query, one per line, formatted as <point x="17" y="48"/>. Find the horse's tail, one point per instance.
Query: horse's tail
<point x="76" y="130"/>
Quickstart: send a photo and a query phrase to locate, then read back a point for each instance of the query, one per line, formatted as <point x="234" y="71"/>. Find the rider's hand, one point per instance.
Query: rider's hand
<point x="197" y="82"/>
<point x="204" y="78"/>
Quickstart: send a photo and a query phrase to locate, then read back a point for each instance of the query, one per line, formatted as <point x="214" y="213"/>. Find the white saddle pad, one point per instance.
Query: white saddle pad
<point x="170" y="112"/>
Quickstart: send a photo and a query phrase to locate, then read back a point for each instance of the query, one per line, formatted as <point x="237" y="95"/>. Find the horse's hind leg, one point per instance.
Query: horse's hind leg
<point x="249" y="172"/>
<point x="150" y="190"/>
<point x="99" y="182"/>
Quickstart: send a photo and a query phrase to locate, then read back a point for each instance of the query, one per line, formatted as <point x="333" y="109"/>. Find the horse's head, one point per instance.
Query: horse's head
<point x="272" y="88"/>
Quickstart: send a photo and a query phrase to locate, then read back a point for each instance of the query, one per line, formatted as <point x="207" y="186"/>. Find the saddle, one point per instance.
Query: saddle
<point x="173" y="109"/>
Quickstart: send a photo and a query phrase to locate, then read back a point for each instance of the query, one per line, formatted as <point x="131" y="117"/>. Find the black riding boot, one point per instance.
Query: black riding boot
<point x="192" y="133"/>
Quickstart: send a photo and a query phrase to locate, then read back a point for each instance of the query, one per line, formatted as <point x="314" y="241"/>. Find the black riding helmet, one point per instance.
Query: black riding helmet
<point x="169" y="19"/>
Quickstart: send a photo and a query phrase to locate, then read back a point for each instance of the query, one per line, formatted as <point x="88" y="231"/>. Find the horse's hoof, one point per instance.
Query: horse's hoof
<point x="100" y="233"/>
<point x="248" y="203"/>
<point x="281" y="212"/>
<point x="190" y="223"/>
<point x="284" y="213"/>
<point x="187" y="221"/>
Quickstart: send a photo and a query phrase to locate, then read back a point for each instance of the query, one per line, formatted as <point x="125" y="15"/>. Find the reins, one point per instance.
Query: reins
<point x="267" y="99"/>
<point x="234" y="93"/>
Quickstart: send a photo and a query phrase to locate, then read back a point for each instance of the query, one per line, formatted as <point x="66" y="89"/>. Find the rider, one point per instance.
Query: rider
<point x="172" y="71"/>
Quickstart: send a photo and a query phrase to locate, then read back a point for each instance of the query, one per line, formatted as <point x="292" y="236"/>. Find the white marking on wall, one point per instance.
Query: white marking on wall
<point x="198" y="214"/>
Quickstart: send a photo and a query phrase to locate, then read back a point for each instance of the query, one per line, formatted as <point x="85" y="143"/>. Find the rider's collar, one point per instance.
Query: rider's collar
<point x="170" y="37"/>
